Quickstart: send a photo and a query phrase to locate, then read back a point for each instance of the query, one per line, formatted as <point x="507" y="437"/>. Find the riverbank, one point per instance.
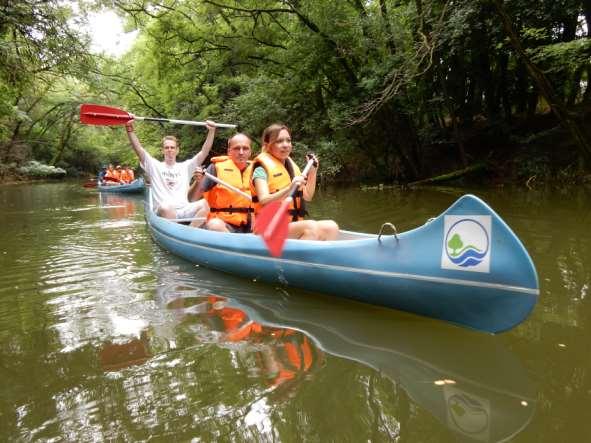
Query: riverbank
<point x="528" y="151"/>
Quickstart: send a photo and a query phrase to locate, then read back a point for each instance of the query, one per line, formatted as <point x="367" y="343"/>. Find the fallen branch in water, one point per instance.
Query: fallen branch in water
<point x="450" y="175"/>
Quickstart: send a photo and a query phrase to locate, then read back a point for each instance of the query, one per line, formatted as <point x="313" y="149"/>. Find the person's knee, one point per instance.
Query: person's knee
<point x="202" y="207"/>
<point x="201" y="213"/>
<point x="328" y="230"/>
<point x="216" y="224"/>
<point x="311" y="230"/>
<point x="166" y="211"/>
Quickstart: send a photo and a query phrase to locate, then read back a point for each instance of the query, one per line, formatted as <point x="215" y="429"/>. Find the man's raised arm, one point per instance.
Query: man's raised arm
<point x="207" y="144"/>
<point x="134" y="141"/>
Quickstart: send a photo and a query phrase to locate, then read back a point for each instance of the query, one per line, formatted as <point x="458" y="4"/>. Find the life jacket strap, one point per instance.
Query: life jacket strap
<point x="232" y="210"/>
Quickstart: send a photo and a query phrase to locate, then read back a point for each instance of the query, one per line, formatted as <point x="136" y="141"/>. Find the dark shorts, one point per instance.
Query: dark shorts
<point x="242" y="229"/>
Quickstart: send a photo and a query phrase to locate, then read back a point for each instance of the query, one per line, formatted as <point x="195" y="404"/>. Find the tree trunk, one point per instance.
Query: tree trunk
<point x="587" y="14"/>
<point x="451" y="175"/>
<point x="587" y="94"/>
<point x="451" y="109"/>
<point x="387" y="28"/>
<point x="566" y="120"/>
<point x="65" y="134"/>
<point x="503" y="92"/>
<point x="522" y="85"/>
<point x="574" y="88"/>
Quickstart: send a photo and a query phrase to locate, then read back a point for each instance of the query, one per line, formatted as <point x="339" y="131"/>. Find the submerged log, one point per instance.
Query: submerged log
<point x="450" y="175"/>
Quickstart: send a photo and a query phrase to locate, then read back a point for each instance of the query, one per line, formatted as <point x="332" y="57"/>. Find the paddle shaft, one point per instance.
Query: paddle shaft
<point x="181" y="122"/>
<point x="92" y="114"/>
<point x="285" y="204"/>
<point x="227" y="185"/>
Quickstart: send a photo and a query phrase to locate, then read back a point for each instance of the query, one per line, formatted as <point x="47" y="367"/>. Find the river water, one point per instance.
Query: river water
<point x="105" y="336"/>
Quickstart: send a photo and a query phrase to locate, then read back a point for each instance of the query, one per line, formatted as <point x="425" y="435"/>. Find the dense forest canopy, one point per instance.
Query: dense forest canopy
<point x="394" y="90"/>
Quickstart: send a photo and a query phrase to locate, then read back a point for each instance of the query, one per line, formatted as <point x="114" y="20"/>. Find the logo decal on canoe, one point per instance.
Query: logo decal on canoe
<point x="466" y="242"/>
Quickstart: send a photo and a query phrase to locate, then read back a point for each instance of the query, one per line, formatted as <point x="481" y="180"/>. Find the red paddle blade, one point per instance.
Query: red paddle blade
<point x="103" y="115"/>
<point x="272" y="224"/>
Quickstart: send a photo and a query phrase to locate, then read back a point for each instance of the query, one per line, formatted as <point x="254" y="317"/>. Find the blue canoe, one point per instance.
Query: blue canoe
<point x="135" y="187"/>
<point x="465" y="266"/>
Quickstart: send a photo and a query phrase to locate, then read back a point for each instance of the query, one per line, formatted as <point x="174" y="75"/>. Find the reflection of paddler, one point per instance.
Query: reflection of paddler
<point x="119" y="207"/>
<point x="292" y="355"/>
<point x="285" y="354"/>
<point x="236" y="324"/>
<point x="116" y="356"/>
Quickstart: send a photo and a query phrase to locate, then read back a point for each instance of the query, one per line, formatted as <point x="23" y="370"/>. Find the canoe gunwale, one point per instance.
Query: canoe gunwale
<point x="136" y="186"/>
<point x="340" y="268"/>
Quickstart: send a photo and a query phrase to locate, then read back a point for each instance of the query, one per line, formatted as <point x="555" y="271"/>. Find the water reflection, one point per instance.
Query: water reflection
<point x="107" y="337"/>
<point x="281" y="357"/>
<point x="118" y="206"/>
<point x="120" y="355"/>
<point x="468" y="381"/>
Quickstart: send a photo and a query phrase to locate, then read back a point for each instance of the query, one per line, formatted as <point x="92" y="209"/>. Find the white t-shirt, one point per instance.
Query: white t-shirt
<point x="170" y="184"/>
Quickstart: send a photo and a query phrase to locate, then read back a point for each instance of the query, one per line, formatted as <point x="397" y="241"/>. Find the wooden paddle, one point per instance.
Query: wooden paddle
<point x="273" y="220"/>
<point x="91" y="114"/>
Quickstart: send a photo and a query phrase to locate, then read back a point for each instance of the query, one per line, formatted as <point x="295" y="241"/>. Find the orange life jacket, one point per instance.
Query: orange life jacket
<point x="225" y="204"/>
<point x="236" y="323"/>
<point x="112" y="173"/>
<point x="125" y="176"/>
<point x="295" y="355"/>
<point x="279" y="177"/>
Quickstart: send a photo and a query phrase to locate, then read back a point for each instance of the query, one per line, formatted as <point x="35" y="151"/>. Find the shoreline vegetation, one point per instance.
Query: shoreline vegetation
<point x="538" y="156"/>
<point x="406" y="93"/>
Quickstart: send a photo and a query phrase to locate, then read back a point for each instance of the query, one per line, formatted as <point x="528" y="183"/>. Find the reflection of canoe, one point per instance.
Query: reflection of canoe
<point x="469" y="381"/>
<point x="135" y="186"/>
<point x="465" y="266"/>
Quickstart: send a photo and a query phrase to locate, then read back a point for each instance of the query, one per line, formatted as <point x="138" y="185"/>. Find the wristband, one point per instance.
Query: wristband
<point x="129" y="129"/>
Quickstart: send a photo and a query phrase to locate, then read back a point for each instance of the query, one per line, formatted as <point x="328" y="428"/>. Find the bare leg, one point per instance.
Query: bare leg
<point x="166" y="211"/>
<point x="327" y="230"/>
<point x="303" y="230"/>
<point x="202" y="209"/>
<point x="217" y="224"/>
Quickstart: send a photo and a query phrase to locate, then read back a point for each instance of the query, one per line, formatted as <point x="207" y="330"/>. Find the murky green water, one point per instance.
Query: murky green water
<point x="104" y="336"/>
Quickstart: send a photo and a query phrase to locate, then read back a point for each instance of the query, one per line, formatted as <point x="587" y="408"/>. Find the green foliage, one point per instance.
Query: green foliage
<point x="535" y="34"/>
<point x="366" y="85"/>
<point x="558" y="57"/>
<point x="537" y="166"/>
<point x="39" y="170"/>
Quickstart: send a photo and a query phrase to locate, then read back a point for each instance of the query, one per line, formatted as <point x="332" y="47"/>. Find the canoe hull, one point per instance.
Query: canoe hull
<point x="410" y="272"/>
<point x="135" y="187"/>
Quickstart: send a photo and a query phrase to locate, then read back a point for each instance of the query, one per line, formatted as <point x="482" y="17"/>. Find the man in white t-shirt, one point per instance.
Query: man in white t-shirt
<point x="170" y="180"/>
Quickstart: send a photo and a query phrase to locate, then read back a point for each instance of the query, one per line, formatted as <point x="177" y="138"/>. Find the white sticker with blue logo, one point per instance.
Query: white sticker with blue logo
<point x="466" y="243"/>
